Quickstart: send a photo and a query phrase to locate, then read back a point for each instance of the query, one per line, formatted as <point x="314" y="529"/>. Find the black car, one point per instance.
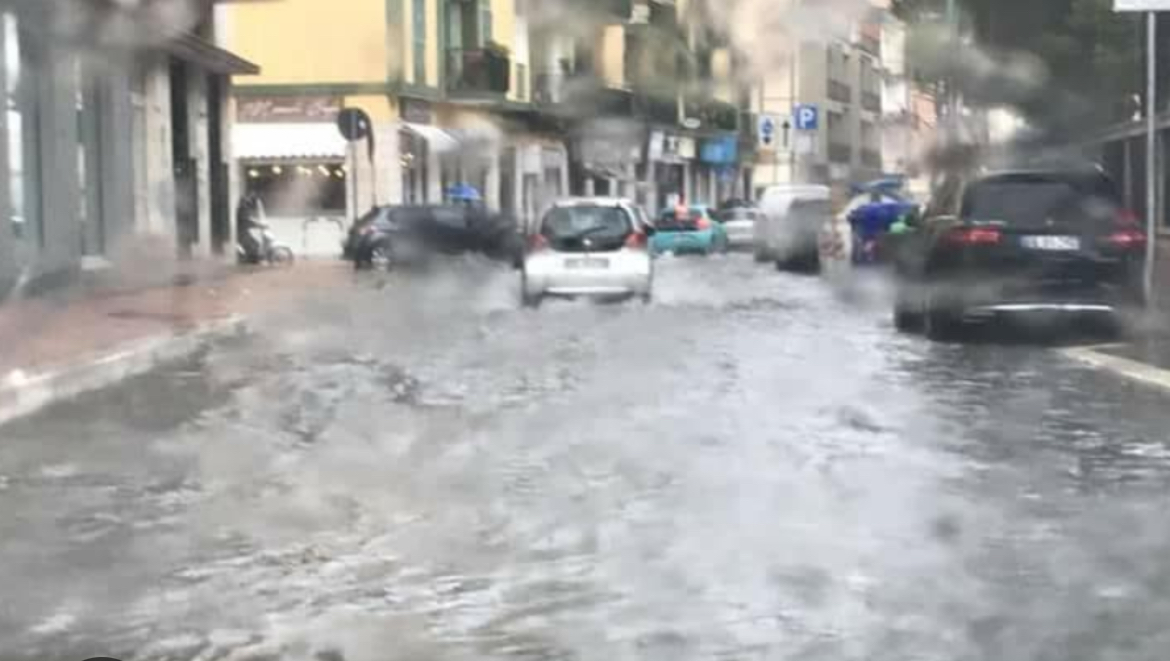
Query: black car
<point x="399" y="235"/>
<point x="1055" y="243"/>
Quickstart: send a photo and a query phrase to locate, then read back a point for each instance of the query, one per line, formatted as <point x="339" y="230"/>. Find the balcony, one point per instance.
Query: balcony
<point x="871" y="101"/>
<point x="721" y="116"/>
<point x="618" y="10"/>
<point x="839" y="91"/>
<point x="481" y="72"/>
<point x="840" y="152"/>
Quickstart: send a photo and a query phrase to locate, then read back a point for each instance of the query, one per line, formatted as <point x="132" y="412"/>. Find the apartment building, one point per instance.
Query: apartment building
<point x="523" y="100"/>
<point x="445" y="84"/>
<point x="843" y="76"/>
<point x="648" y="95"/>
<point x="114" y="129"/>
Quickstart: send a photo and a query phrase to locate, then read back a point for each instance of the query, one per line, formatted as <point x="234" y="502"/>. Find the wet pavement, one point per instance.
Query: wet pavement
<point x="755" y="466"/>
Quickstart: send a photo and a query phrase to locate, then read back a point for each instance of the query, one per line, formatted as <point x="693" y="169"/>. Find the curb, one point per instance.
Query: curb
<point x="1123" y="367"/>
<point x="23" y="395"/>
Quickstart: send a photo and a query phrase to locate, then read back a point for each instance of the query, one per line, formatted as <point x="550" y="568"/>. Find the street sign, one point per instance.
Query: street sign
<point x="767" y="131"/>
<point x="806" y="116"/>
<point x="1141" y="5"/>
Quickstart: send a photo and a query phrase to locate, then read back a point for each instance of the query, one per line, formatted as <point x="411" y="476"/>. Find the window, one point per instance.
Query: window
<point x="419" y="15"/>
<point x="485" y="22"/>
<point x="521" y="82"/>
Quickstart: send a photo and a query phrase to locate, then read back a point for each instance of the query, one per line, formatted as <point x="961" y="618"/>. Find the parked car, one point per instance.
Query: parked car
<point x="588" y="247"/>
<point x="408" y="235"/>
<point x="695" y="231"/>
<point x="1054" y="242"/>
<point x="740" y="225"/>
<point x="793" y="218"/>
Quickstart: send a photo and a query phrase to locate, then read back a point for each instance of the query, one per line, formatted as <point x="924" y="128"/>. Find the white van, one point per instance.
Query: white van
<point x="794" y="216"/>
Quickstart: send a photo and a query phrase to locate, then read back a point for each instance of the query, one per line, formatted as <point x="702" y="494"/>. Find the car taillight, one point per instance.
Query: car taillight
<point x="636" y="240"/>
<point x="972" y="236"/>
<point x="1128" y="234"/>
<point x="1127" y="238"/>
<point x="536" y="243"/>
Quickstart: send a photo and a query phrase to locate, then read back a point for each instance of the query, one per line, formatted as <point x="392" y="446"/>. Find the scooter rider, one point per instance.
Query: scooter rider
<point x="250" y="227"/>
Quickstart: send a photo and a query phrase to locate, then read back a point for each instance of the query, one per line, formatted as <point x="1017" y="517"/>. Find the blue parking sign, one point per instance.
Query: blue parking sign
<point x="807" y="117"/>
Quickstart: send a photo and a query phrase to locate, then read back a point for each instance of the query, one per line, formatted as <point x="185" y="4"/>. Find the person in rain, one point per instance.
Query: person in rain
<point x="249" y="224"/>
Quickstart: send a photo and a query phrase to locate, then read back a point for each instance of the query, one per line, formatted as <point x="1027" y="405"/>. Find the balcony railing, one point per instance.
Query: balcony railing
<point x="839" y="91"/>
<point x="871" y="101"/>
<point x="478" y="71"/>
<point x="840" y="152"/>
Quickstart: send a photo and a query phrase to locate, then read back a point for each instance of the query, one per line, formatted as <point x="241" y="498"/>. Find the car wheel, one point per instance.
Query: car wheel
<point x="906" y="320"/>
<point x="942" y="323"/>
<point x="282" y="256"/>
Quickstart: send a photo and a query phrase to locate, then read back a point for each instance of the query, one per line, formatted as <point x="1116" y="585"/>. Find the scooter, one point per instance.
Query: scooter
<point x="265" y="249"/>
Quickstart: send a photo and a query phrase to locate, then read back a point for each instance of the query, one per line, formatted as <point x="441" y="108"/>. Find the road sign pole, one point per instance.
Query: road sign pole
<point x="1151" y="155"/>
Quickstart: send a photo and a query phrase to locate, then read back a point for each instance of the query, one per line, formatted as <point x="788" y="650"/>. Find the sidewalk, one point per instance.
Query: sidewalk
<point x="59" y="345"/>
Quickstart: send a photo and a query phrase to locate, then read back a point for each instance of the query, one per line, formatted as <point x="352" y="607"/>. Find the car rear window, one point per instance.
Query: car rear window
<point x="1039" y="199"/>
<point x="585" y="221"/>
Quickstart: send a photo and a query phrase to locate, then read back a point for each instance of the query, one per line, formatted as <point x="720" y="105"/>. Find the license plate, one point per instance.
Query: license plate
<point x="587" y="263"/>
<point x="1058" y="243"/>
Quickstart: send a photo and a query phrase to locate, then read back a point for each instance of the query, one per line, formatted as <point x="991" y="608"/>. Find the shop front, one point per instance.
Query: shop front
<point x="290" y="154"/>
<point x="670" y="157"/>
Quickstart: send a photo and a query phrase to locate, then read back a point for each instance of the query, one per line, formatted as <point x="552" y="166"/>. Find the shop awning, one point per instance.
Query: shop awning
<point x="201" y="52"/>
<point x="292" y="140"/>
<point x="437" y="139"/>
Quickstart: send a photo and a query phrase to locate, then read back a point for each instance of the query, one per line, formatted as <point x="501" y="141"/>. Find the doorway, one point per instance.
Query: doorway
<point x="186" y="183"/>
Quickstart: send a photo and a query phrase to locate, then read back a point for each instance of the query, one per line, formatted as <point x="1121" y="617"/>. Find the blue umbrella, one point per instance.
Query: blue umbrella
<point x="463" y="192"/>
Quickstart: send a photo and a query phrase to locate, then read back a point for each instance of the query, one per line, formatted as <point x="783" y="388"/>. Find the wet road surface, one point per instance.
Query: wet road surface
<point x="755" y="466"/>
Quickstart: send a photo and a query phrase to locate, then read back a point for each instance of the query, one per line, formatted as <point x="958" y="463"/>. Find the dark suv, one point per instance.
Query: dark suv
<point x="1025" y="242"/>
<point x="400" y="235"/>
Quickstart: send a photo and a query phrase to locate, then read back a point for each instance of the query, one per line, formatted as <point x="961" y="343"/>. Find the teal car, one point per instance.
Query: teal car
<point x="696" y="231"/>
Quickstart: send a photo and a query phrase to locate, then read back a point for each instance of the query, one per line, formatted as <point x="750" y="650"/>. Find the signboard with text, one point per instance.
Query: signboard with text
<point x="287" y="108"/>
<point x="1141" y="5"/>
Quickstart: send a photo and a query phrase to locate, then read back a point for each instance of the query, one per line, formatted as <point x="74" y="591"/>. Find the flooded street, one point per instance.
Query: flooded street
<point x="754" y="466"/>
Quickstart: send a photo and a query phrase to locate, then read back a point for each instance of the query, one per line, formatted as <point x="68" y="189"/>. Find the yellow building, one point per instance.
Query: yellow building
<point x="495" y="93"/>
<point x="445" y="84"/>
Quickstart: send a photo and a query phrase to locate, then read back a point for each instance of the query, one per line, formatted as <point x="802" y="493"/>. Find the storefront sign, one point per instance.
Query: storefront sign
<point x="720" y="151"/>
<point x="288" y="108"/>
<point x="530" y="159"/>
<point x="416" y="111"/>
<point x="656" y="147"/>
<point x="674" y="149"/>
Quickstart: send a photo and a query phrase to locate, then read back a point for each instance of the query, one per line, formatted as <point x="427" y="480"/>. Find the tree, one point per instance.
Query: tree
<point x="1092" y="55"/>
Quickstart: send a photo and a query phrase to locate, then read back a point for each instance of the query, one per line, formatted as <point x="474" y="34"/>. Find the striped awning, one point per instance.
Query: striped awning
<point x="291" y="140"/>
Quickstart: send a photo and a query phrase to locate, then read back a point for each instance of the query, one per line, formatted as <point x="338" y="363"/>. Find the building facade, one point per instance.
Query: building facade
<point x="844" y="75"/>
<point x="445" y="84"/>
<point x="104" y="145"/>
<point x="521" y="102"/>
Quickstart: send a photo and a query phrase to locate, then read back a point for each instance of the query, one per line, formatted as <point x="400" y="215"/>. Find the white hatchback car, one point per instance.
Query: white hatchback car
<point x="593" y="246"/>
